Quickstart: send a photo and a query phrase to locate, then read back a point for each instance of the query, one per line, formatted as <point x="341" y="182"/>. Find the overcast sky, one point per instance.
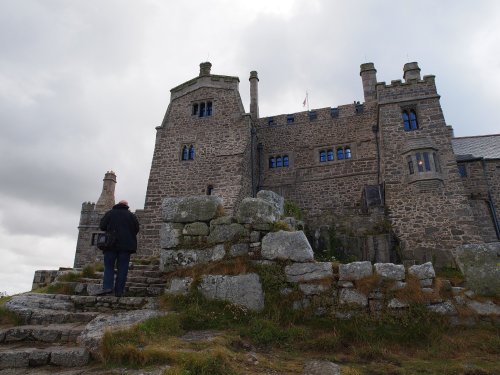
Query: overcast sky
<point x="84" y="83"/>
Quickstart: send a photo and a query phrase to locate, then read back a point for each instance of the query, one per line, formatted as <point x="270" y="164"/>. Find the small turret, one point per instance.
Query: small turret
<point x="107" y="199"/>
<point x="254" y="95"/>
<point x="205" y="69"/>
<point x="86" y="213"/>
<point x="411" y="71"/>
<point x="368" y="75"/>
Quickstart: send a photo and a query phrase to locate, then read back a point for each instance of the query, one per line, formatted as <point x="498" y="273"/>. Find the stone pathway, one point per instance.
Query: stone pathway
<point x="55" y="328"/>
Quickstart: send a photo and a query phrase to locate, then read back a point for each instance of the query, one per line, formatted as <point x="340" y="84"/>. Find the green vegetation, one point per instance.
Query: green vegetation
<point x="414" y="341"/>
<point x="455" y="276"/>
<point x="7" y="317"/>
<point x="293" y="210"/>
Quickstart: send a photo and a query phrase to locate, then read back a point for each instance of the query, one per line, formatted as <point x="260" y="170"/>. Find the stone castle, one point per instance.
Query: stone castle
<point x="390" y="161"/>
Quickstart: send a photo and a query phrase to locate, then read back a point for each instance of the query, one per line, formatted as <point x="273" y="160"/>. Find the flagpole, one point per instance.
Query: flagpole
<point x="307" y="99"/>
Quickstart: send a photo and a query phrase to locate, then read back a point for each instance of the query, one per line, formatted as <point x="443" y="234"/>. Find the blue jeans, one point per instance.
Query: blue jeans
<point x="121" y="259"/>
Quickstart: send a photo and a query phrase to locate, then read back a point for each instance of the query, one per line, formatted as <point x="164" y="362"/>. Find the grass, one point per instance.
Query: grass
<point x="7" y="317"/>
<point x="280" y="339"/>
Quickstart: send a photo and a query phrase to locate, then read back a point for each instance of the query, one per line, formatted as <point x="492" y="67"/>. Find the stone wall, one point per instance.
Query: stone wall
<point x="195" y="236"/>
<point x="321" y="188"/>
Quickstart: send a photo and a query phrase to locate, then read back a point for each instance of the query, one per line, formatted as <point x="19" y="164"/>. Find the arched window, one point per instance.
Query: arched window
<point x="329" y="155"/>
<point x="409" y="120"/>
<point x="272" y="162"/>
<point x="191" y="152"/>
<point x="347" y="152"/>
<point x="285" y="160"/>
<point x="340" y="154"/>
<point x="279" y="162"/>
<point x="210" y="189"/>
<point x="185" y="153"/>
<point x="322" y="156"/>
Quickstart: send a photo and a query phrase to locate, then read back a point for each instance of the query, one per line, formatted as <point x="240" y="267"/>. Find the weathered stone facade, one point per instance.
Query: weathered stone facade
<point x="349" y="167"/>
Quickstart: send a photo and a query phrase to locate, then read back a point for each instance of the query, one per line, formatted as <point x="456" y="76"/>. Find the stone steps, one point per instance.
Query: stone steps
<point x="19" y="356"/>
<point x="52" y="333"/>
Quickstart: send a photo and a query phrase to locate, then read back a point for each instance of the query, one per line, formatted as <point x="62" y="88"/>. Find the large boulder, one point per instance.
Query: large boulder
<point x="355" y="270"/>
<point x="257" y="211"/>
<point x="275" y="199"/>
<point x="300" y="272"/>
<point x="191" y="209"/>
<point x="283" y="245"/>
<point x="479" y="264"/>
<point x="244" y="290"/>
<point x="93" y="333"/>
<point x="170" y="260"/>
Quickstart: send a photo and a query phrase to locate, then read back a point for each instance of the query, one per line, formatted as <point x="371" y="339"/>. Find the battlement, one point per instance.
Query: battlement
<point x="319" y="115"/>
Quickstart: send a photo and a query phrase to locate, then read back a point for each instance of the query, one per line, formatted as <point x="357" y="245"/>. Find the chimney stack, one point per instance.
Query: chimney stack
<point x="107" y="199"/>
<point x="205" y="69"/>
<point x="368" y="75"/>
<point x="254" y="95"/>
<point x="411" y="71"/>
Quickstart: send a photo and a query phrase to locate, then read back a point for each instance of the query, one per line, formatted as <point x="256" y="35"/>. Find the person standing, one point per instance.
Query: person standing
<point x="124" y="225"/>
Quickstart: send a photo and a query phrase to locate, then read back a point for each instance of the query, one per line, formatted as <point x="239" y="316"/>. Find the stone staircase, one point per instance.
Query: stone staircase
<point x="52" y="323"/>
<point x="142" y="280"/>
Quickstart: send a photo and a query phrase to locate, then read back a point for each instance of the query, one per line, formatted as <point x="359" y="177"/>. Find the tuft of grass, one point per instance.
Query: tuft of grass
<point x="9" y="318"/>
<point x="88" y="271"/>
<point x="203" y="363"/>
<point x="454" y="275"/>
<point x="368" y="284"/>
<point x="197" y="312"/>
<point x="280" y="225"/>
<point x="70" y="277"/>
<point x="57" y="288"/>
<point x="290" y="208"/>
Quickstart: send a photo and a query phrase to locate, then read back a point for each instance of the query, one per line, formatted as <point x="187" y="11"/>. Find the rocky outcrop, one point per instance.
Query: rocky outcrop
<point x="479" y="264"/>
<point x="93" y="333"/>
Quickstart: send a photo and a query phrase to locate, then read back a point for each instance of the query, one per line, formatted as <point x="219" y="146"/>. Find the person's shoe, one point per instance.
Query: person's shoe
<point x="104" y="292"/>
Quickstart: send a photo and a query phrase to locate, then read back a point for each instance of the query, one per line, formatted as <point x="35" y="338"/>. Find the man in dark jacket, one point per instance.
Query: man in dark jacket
<point x="124" y="225"/>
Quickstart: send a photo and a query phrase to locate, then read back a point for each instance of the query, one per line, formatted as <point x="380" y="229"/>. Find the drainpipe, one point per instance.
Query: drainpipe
<point x="491" y="204"/>
<point x="252" y="158"/>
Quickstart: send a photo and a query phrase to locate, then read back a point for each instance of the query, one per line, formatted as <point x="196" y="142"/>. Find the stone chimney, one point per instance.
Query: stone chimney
<point x="107" y="199"/>
<point x="411" y="71"/>
<point x="368" y="75"/>
<point x="205" y="69"/>
<point x="254" y="95"/>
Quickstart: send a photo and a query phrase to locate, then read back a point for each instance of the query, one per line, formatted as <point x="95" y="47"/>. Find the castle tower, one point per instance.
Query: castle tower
<point x="368" y="75"/>
<point x="107" y="199"/>
<point x="424" y="195"/>
<point x="254" y="95"/>
<point x="203" y="146"/>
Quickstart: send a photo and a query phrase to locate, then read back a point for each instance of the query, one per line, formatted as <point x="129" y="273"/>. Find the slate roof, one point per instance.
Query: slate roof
<point x="477" y="147"/>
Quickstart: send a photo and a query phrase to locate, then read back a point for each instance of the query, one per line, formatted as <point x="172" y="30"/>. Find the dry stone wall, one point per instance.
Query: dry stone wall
<point x="339" y="290"/>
